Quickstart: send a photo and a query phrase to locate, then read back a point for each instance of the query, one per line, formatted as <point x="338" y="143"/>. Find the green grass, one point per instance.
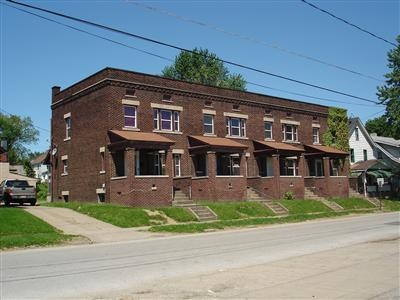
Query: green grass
<point x="219" y="225"/>
<point x="353" y="203"/>
<point x="393" y="205"/>
<point x="19" y="228"/>
<point x="304" y="206"/>
<point x="238" y="210"/>
<point x="117" y="215"/>
<point x="178" y="214"/>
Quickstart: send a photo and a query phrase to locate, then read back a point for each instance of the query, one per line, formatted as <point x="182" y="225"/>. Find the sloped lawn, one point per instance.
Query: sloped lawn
<point x="353" y="203"/>
<point x="19" y="228"/>
<point x="393" y="205"/>
<point x="304" y="206"/>
<point x="238" y="210"/>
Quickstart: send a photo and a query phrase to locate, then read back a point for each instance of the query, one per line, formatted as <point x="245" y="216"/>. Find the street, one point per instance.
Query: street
<point x="169" y="267"/>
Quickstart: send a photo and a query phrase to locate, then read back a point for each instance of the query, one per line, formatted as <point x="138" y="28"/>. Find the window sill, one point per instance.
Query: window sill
<point x="229" y="176"/>
<point x="102" y="172"/>
<point x="130" y="128"/>
<point x="291" y="142"/>
<point x="64" y="174"/>
<point x="151" y="176"/>
<point x="289" y="176"/>
<point x="318" y="144"/>
<point x="199" y="177"/>
<point x="167" y="131"/>
<point x="269" y="140"/>
<point x="67" y="139"/>
<point x="118" y="177"/>
<point x="237" y="137"/>
<point x="209" y="134"/>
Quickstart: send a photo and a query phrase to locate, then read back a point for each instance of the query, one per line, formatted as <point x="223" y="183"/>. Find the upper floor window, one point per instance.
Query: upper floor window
<point x="365" y="154"/>
<point x="289" y="132"/>
<point x="68" y="126"/>
<point x="64" y="160"/>
<point x="130" y="116"/>
<point x="315" y="131"/>
<point x="352" y="157"/>
<point x="235" y="127"/>
<point x="208" y="124"/>
<point x="356" y="134"/>
<point x="268" y="130"/>
<point x="166" y="120"/>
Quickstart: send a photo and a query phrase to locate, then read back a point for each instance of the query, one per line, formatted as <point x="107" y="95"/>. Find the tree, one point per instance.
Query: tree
<point x="389" y="94"/>
<point x="18" y="132"/>
<point x="204" y="67"/>
<point x="337" y="133"/>
<point x="379" y="126"/>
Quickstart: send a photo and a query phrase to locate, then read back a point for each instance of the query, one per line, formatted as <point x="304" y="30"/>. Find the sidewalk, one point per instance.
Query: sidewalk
<point x="71" y="222"/>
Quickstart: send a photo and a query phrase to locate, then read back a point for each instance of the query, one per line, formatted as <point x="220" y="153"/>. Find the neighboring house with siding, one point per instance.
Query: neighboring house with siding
<point x="126" y="137"/>
<point x="41" y="168"/>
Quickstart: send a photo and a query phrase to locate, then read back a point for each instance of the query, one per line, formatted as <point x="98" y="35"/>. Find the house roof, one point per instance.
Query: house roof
<point x="39" y="159"/>
<point x="280" y="146"/>
<point x="325" y="149"/>
<point x="135" y="136"/>
<point x="385" y="140"/>
<point x="371" y="164"/>
<point x="216" y="142"/>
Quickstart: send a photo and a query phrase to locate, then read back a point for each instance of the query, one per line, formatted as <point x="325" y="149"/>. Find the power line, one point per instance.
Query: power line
<point x="347" y="22"/>
<point x="168" y="59"/>
<point x="249" y="39"/>
<point x="190" y="51"/>
<point x="10" y="114"/>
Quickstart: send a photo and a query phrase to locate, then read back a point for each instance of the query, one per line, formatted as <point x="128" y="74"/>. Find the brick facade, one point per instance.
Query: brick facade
<point x="94" y="159"/>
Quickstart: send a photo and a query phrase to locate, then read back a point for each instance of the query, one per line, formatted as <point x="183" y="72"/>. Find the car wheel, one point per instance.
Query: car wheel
<point x="33" y="203"/>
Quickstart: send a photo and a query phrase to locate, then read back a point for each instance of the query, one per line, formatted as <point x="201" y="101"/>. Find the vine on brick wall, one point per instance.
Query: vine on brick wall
<point x="337" y="134"/>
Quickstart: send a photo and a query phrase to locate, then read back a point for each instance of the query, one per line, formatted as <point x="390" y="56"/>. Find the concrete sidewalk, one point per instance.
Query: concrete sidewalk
<point x="72" y="222"/>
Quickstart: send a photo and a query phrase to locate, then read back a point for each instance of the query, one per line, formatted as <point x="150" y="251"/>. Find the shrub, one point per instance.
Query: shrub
<point x="288" y="196"/>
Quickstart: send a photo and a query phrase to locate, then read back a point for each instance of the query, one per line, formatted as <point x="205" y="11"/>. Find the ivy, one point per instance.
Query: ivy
<point x="337" y="134"/>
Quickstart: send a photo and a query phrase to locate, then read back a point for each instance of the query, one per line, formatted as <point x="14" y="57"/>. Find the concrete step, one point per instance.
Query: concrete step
<point x="253" y="195"/>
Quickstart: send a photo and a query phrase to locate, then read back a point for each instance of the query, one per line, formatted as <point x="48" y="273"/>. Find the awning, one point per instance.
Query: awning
<point x="276" y="147"/>
<point x="214" y="143"/>
<point x="380" y="173"/>
<point x="320" y="149"/>
<point x="136" y="139"/>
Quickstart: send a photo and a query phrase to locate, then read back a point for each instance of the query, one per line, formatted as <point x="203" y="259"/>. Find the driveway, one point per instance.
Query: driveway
<point x="72" y="222"/>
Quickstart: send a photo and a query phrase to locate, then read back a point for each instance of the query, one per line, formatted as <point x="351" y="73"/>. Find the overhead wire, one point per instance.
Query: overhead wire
<point x="38" y="127"/>
<point x="248" y="38"/>
<point x="347" y="22"/>
<point x="171" y="60"/>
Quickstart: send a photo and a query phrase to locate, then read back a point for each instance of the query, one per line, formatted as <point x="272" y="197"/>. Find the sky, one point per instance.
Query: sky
<point x="286" y="38"/>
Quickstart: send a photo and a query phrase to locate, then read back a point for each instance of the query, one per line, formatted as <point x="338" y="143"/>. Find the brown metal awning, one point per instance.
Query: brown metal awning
<point x="215" y="144"/>
<point x="325" y="150"/>
<point x="276" y="147"/>
<point x="135" y="139"/>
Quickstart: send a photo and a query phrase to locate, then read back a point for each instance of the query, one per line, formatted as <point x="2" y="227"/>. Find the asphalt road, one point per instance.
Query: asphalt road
<point x="94" y="271"/>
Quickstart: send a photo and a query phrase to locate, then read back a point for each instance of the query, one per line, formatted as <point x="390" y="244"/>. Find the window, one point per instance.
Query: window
<point x="352" y="157"/>
<point x="200" y="165"/>
<point x="356" y="134"/>
<point x="365" y="154"/>
<point x="316" y="167"/>
<point x="68" y="125"/>
<point x="289" y="132"/>
<point x="208" y="124"/>
<point x="150" y="162"/>
<point x="228" y="164"/>
<point x="166" y="120"/>
<point x="268" y="130"/>
<point x="265" y="166"/>
<point x="288" y="167"/>
<point x="130" y="116"/>
<point x="177" y="165"/>
<point x="64" y="160"/>
<point x="119" y="163"/>
<point x="102" y="160"/>
<point x="315" y="131"/>
<point x="235" y="127"/>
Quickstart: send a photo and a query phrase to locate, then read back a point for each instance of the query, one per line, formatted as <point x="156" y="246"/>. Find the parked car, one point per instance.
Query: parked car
<point x="17" y="191"/>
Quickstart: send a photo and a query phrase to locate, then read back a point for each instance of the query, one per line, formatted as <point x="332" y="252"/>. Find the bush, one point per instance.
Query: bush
<point x="41" y="191"/>
<point x="288" y="196"/>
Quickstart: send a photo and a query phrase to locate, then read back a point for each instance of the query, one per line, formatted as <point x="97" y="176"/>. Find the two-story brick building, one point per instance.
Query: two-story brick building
<point x="132" y="138"/>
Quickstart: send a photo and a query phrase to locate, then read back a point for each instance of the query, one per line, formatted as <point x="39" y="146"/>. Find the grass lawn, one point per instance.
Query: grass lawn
<point x="304" y="206"/>
<point x="125" y="217"/>
<point x="238" y="210"/>
<point x="19" y="228"/>
<point x="218" y="225"/>
<point x="353" y="203"/>
<point x="393" y="205"/>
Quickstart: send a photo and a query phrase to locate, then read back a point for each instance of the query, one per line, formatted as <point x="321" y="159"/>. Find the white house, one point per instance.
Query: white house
<point x="41" y="167"/>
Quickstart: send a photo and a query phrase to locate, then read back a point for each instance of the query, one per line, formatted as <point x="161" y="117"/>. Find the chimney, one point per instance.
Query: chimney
<point x="54" y="91"/>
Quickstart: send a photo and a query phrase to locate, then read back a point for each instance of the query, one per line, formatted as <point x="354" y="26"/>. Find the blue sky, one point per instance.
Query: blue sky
<point x="273" y="36"/>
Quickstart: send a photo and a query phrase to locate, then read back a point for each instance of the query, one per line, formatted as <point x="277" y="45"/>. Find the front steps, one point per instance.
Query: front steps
<point x="202" y="213"/>
<point x="309" y="194"/>
<point x="276" y="208"/>
<point x="354" y="194"/>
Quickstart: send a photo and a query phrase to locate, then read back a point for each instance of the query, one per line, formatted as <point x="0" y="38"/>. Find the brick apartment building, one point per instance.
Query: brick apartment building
<point x="132" y="138"/>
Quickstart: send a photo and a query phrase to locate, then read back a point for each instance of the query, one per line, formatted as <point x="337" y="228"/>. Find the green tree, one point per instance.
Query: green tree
<point x="389" y="93"/>
<point x="379" y="126"/>
<point x="204" y="67"/>
<point x="18" y="132"/>
<point x="28" y="168"/>
<point x="337" y="133"/>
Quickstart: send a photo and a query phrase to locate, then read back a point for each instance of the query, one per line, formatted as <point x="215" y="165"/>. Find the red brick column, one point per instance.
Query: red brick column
<point x="277" y="190"/>
<point x="327" y="175"/>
